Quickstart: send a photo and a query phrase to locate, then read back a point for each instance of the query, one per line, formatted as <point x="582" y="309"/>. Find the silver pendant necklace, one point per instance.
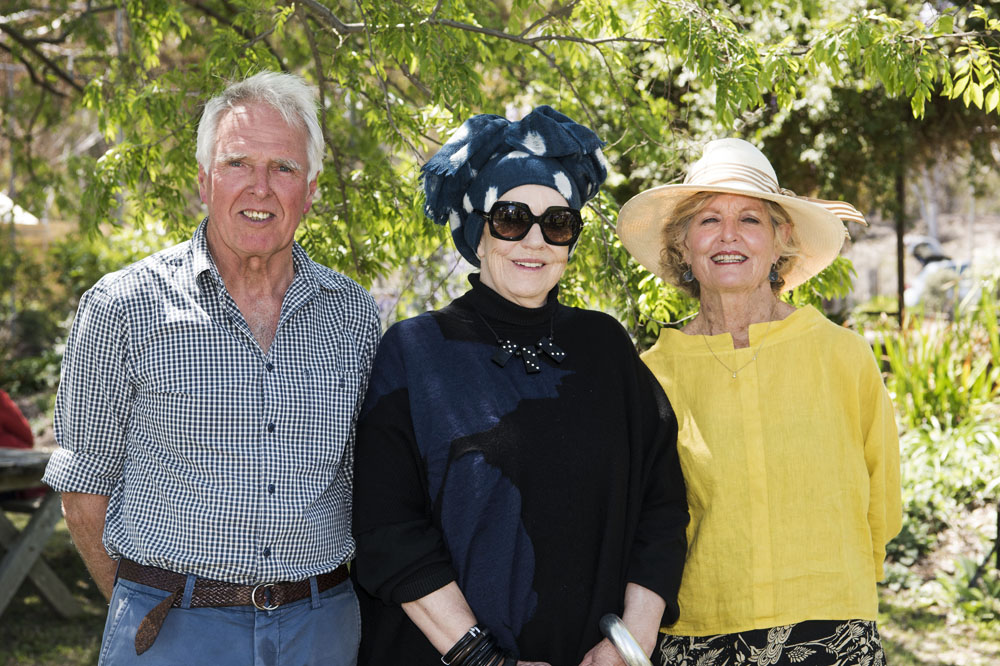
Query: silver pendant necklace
<point x="755" y="354"/>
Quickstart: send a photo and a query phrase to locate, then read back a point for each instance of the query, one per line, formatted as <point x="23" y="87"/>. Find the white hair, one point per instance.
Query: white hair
<point x="287" y="94"/>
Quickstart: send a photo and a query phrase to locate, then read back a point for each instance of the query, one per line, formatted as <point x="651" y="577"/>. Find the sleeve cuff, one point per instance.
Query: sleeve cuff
<point x="423" y="582"/>
<point x="68" y="471"/>
<point x="671" y="613"/>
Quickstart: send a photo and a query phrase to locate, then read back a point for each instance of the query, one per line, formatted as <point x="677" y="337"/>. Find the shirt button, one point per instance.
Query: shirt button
<point x="266" y="552"/>
<point x="270" y="427"/>
<point x="269" y="366"/>
<point x="270" y="488"/>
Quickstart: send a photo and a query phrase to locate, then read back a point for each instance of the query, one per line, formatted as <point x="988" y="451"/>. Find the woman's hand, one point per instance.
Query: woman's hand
<point x="603" y="654"/>
<point x="643" y="610"/>
<point x="533" y="663"/>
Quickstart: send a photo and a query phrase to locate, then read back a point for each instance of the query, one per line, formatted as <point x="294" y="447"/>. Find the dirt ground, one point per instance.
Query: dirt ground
<point x="923" y="631"/>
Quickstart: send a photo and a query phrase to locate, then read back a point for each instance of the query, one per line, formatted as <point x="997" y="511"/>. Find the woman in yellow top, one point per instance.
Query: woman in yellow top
<point x="787" y="438"/>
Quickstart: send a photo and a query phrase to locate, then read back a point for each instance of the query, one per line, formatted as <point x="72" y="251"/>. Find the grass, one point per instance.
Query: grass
<point x="914" y="636"/>
<point x="914" y="632"/>
<point x="32" y="634"/>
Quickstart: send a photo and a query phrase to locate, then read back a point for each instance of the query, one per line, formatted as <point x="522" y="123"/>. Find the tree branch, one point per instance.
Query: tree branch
<point x="434" y="12"/>
<point x="338" y="164"/>
<point x="262" y="37"/>
<point x="71" y="25"/>
<point x="555" y="13"/>
<point x="444" y="278"/>
<point x="326" y="16"/>
<point x="415" y="80"/>
<point x="616" y="269"/>
<point x="424" y="267"/>
<point x="35" y="79"/>
<point x="242" y="32"/>
<point x="27" y="44"/>
<point x="385" y="95"/>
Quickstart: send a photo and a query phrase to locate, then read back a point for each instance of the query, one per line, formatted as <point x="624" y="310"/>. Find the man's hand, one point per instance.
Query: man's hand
<point x="85" y="514"/>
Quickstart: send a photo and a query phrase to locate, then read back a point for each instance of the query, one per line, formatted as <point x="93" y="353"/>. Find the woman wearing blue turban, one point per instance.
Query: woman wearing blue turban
<point x="516" y="472"/>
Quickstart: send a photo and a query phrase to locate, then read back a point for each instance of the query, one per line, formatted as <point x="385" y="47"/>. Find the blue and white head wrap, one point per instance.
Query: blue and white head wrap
<point x="489" y="155"/>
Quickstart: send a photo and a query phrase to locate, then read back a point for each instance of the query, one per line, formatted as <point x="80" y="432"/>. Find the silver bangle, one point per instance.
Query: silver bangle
<point x="616" y="632"/>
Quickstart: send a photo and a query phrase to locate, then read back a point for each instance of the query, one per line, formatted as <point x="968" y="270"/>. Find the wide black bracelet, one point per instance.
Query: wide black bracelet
<point x="460" y="651"/>
<point x="503" y="658"/>
<point x="491" y="655"/>
<point x="478" y="647"/>
<point x="484" y="654"/>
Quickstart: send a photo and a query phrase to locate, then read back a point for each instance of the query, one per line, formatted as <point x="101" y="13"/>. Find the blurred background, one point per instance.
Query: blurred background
<point x="889" y="105"/>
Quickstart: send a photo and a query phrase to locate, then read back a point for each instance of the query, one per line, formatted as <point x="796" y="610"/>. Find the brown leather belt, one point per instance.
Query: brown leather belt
<point x="214" y="593"/>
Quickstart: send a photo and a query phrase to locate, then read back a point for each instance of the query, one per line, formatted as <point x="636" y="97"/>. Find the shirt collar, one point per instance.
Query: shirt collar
<point x="305" y="270"/>
<point x="202" y="260"/>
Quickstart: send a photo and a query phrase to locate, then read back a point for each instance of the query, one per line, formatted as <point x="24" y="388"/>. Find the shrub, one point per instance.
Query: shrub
<point x="944" y="371"/>
<point x="943" y="471"/>
<point x="39" y="294"/>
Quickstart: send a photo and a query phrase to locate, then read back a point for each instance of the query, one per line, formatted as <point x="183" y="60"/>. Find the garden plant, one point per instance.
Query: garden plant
<point x="849" y="98"/>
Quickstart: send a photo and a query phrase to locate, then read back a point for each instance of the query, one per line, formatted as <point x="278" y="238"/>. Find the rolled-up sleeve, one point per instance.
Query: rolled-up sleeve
<point x="93" y="403"/>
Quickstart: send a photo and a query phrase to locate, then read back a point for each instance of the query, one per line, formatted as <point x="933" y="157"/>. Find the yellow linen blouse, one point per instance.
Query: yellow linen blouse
<point x="792" y="474"/>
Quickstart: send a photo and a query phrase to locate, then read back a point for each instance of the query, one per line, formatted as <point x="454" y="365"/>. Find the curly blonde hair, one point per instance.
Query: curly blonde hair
<point x="672" y="265"/>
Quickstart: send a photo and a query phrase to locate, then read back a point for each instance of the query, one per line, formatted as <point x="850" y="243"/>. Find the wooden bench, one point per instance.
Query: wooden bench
<point x="21" y="469"/>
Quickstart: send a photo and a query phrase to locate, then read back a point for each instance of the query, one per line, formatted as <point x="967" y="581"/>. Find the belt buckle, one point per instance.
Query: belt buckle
<point x="267" y="587"/>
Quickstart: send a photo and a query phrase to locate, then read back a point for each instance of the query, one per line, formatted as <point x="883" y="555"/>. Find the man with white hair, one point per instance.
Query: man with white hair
<point x="206" y="414"/>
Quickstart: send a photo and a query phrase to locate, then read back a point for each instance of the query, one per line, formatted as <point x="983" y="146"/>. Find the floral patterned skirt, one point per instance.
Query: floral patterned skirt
<point x="811" y="643"/>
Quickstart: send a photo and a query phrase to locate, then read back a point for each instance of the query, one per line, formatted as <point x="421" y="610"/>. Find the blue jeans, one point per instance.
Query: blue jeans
<point x="321" y="630"/>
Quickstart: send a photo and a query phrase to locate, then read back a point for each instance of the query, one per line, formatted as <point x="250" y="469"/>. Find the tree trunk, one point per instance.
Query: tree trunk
<point x="929" y="202"/>
<point x="900" y="230"/>
<point x="971" y="222"/>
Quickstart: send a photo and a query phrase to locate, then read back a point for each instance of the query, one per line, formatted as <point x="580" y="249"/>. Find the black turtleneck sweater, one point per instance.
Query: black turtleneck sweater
<point x="541" y="494"/>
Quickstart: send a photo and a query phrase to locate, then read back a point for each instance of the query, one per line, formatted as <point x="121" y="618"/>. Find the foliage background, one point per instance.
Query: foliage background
<point x="843" y="96"/>
<point x="849" y="99"/>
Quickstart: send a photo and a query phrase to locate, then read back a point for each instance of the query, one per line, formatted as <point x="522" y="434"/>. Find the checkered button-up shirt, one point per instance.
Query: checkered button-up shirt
<point x="220" y="459"/>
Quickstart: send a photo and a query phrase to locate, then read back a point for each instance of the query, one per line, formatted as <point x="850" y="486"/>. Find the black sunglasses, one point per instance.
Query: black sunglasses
<point x="512" y="220"/>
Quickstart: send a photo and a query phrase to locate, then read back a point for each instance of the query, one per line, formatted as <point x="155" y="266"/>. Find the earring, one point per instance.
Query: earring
<point x="773" y="275"/>
<point x="687" y="275"/>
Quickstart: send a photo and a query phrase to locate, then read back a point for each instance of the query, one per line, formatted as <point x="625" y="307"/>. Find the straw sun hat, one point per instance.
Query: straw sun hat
<point x="733" y="166"/>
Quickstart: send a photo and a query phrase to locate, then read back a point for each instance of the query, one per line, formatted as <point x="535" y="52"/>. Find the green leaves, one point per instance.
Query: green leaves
<point x="654" y="79"/>
<point x="973" y="78"/>
<point x="946" y="372"/>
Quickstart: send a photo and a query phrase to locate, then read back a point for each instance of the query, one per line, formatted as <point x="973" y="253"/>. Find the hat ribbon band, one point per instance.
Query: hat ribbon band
<point x="841" y="209"/>
<point x="716" y="174"/>
<point x="725" y="175"/>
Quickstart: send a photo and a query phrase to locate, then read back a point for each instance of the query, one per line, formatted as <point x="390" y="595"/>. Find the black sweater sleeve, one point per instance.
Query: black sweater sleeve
<point x="660" y="544"/>
<point x="401" y="554"/>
